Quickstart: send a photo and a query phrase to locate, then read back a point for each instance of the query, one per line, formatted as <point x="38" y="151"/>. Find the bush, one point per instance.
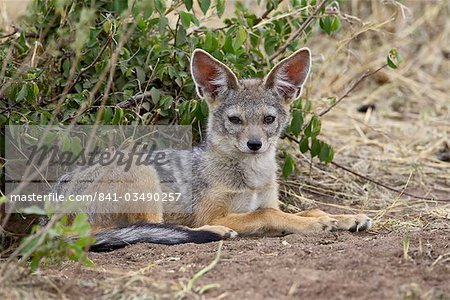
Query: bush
<point x="119" y="62"/>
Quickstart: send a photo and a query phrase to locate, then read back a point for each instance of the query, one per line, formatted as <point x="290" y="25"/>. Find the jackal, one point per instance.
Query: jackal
<point x="234" y="186"/>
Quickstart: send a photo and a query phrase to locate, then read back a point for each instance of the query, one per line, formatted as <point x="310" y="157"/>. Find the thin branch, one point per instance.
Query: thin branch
<point x="16" y="30"/>
<point x="298" y="32"/>
<point x="384" y="185"/>
<point x="133" y="100"/>
<point x="349" y="90"/>
<point x="266" y="13"/>
<point x="352" y="87"/>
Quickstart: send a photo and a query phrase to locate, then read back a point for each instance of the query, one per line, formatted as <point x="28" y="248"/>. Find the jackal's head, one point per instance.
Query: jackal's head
<point x="248" y="115"/>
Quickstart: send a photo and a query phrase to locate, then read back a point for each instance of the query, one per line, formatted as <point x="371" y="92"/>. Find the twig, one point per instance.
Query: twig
<point x="401" y="191"/>
<point x="266" y="13"/>
<point x="352" y="87"/>
<point x="133" y="99"/>
<point x="298" y="32"/>
<point x="16" y="30"/>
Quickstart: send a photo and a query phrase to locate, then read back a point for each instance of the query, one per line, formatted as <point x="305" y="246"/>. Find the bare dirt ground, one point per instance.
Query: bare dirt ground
<point x="400" y="141"/>
<point x="328" y="266"/>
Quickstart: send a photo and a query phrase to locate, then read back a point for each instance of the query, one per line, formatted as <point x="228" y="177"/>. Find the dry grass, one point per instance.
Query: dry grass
<point x="11" y="10"/>
<point x="398" y="142"/>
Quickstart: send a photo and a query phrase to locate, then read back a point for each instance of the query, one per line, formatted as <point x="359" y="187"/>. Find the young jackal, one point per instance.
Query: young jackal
<point x="234" y="185"/>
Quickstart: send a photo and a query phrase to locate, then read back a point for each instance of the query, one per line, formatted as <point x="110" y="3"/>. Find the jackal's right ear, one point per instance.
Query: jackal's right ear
<point x="211" y="77"/>
<point x="289" y="75"/>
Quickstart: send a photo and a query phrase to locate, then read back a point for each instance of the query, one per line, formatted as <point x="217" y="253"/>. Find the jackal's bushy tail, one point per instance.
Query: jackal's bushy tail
<point x="166" y="234"/>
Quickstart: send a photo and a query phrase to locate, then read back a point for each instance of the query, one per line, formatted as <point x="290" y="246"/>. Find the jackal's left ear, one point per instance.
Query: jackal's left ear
<point x="211" y="77"/>
<point x="289" y="75"/>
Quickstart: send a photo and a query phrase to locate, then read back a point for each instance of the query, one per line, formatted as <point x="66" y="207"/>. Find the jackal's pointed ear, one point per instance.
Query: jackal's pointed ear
<point x="289" y="75"/>
<point x="211" y="77"/>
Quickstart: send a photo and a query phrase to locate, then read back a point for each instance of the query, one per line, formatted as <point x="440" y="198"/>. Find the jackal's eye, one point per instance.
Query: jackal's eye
<point x="269" y="119"/>
<point x="235" y="120"/>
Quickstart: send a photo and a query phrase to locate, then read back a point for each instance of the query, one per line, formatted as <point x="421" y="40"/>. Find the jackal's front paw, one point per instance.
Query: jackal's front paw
<point x="354" y="223"/>
<point x="326" y="224"/>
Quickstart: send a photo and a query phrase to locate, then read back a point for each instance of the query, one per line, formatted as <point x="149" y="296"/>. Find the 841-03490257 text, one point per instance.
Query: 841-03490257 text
<point x="96" y="196"/>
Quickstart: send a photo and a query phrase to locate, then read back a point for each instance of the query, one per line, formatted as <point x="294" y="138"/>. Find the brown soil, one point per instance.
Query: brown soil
<point x="337" y="266"/>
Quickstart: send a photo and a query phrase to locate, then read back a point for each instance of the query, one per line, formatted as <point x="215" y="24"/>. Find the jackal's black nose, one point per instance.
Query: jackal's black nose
<point x="254" y="145"/>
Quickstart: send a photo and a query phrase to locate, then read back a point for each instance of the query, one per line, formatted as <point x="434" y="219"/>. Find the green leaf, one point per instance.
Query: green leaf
<point x="303" y="145"/>
<point x="297" y="122"/>
<point x="316" y="146"/>
<point x="66" y="144"/>
<point x="313" y="128"/>
<point x="76" y="146"/>
<point x="204" y="5"/>
<point x="81" y="225"/>
<point x="30" y="242"/>
<point x="155" y="94"/>
<point x="195" y="20"/>
<point x="181" y="36"/>
<point x="120" y="5"/>
<point x="270" y="43"/>
<point x="160" y="6"/>
<point x="228" y="45"/>
<point x="394" y="59"/>
<point x="308" y="106"/>
<point x="140" y="74"/>
<point x="220" y="7"/>
<point x="35" y="261"/>
<point x="289" y="165"/>
<point x="162" y="24"/>
<point x="325" y="24"/>
<point x="106" y="26"/>
<point x="22" y="94"/>
<point x="185" y="19"/>
<point x="330" y="154"/>
<point x="324" y="151"/>
<point x="107" y="115"/>
<point x="118" y="116"/>
<point x="335" y="24"/>
<point x="204" y="108"/>
<point x="210" y="42"/>
<point x="35" y="90"/>
<point x="241" y="36"/>
<point x="188" y="4"/>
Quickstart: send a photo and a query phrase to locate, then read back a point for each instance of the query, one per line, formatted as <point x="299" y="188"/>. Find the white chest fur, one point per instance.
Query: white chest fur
<point x="260" y="171"/>
<point x="245" y="202"/>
